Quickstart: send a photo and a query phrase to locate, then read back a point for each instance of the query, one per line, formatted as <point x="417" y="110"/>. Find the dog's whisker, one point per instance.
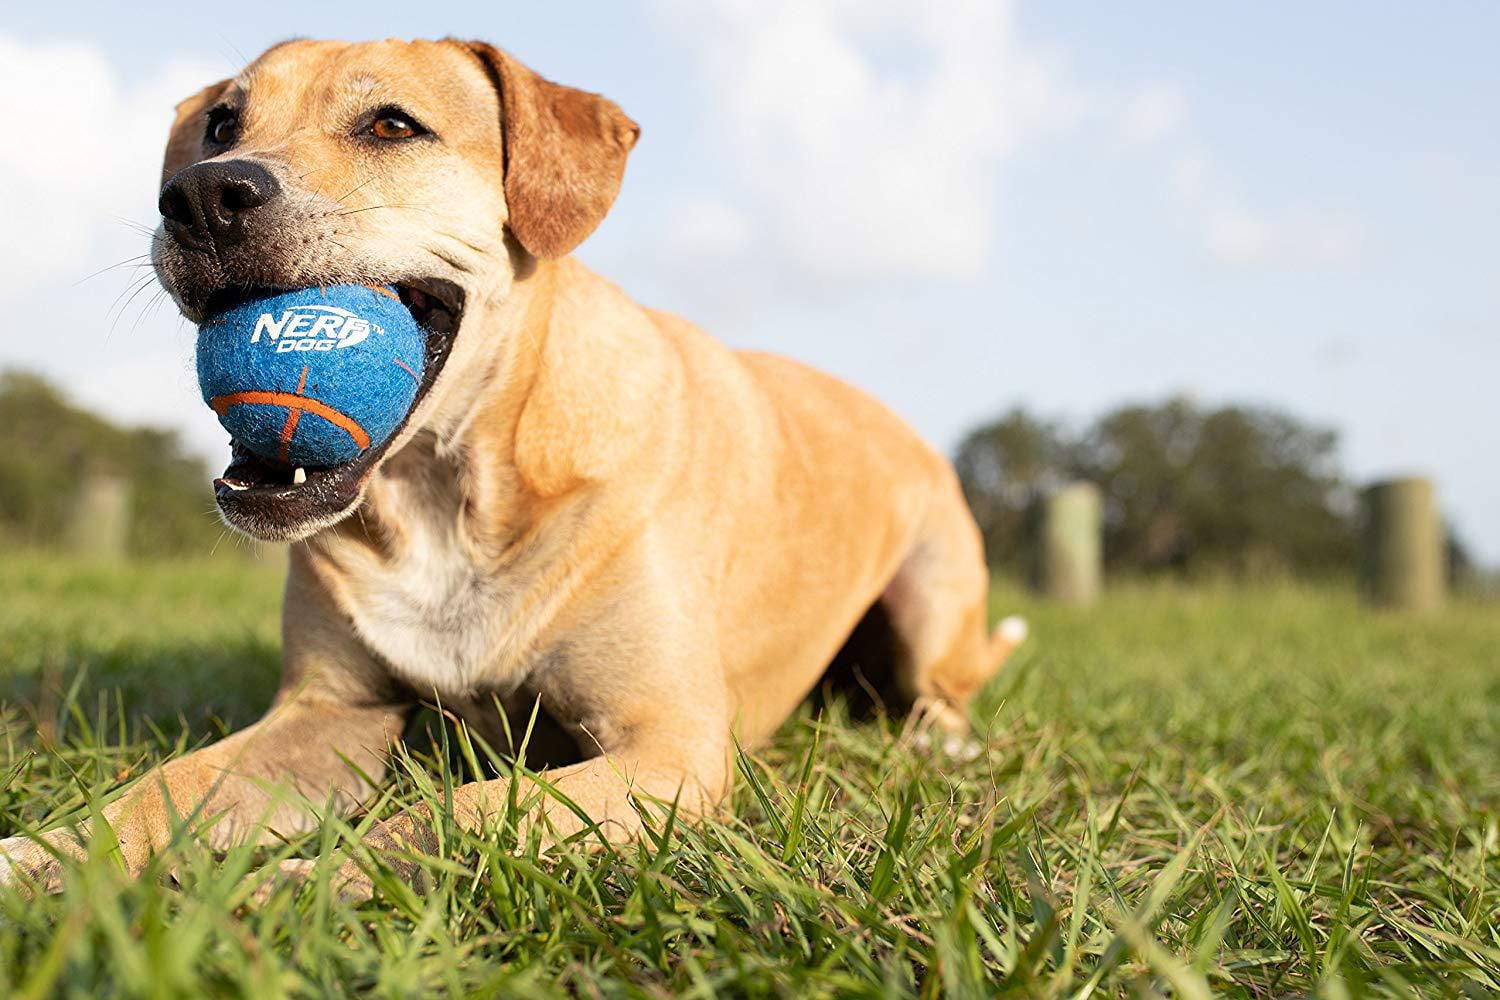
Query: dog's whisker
<point x="149" y="309"/>
<point x="140" y="287"/>
<point x="139" y="227"/>
<point x="133" y="286"/>
<point x="356" y="187"/>
<point x="139" y="260"/>
<point x="222" y="532"/>
<point x="371" y="208"/>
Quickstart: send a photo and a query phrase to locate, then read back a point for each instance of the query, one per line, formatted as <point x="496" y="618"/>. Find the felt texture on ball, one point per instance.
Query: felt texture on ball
<point x="312" y="377"/>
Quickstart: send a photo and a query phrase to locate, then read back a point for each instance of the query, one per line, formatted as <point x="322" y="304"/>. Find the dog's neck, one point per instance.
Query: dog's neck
<point x="494" y="355"/>
<point x="539" y="400"/>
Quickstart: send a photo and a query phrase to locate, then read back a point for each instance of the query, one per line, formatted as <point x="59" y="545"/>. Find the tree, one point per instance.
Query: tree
<point x="1242" y="489"/>
<point x="47" y="446"/>
<point x="1004" y="466"/>
<point x="1239" y="489"/>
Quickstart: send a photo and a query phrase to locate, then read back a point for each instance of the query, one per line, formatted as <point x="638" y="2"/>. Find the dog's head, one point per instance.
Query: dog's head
<point x="442" y="168"/>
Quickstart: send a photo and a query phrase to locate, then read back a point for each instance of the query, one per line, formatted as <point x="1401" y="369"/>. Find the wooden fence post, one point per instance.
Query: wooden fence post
<point x="100" y="524"/>
<point x="1067" y="557"/>
<point x="1403" y="555"/>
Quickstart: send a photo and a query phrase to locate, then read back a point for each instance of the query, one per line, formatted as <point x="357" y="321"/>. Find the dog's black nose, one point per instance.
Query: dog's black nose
<point x="207" y="205"/>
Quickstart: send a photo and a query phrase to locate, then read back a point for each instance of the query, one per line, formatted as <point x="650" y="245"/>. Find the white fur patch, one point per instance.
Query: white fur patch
<point x="1013" y="629"/>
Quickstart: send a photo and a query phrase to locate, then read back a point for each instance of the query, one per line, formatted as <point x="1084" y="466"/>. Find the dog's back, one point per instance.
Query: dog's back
<point x="814" y="495"/>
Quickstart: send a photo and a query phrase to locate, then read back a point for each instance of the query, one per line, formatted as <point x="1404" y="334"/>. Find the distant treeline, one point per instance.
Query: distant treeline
<point x="1236" y="489"/>
<point x="49" y="446"/>
<point x="1247" y="491"/>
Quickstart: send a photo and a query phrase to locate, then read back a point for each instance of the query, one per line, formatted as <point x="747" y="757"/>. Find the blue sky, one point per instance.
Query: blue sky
<point x="960" y="206"/>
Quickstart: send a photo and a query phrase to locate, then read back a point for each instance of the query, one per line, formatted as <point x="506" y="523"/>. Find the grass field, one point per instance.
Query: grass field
<point x="1261" y="792"/>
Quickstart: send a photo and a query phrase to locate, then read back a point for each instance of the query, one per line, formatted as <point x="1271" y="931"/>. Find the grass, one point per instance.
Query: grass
<point x="1261" y="792"/>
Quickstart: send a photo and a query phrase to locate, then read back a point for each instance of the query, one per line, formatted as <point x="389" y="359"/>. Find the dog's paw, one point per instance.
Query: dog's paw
<point x="934" y="726"/>
<point x="962" y="749"/>
<point x="28" y="866"/>
<point x="959" y="749"/>
<point x="349" y="883"/>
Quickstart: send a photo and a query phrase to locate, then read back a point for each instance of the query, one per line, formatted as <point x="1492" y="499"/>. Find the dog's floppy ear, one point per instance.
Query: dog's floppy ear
<point x="185" y="141"/>
<point x="565" y="155"/>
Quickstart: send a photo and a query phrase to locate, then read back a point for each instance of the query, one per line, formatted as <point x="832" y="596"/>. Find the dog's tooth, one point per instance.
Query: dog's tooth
<point x="299" y="476"/>
<point x="235" y="485"/>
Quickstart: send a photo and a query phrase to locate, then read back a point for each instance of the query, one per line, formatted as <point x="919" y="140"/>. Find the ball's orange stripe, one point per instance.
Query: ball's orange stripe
<point x="384" y="291"/>
<point x="287" y="430"/>
<point x="261" y="397"/>
<point x="292" y="417"/>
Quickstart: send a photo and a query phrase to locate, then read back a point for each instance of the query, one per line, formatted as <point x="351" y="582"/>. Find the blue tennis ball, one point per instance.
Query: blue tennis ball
<point x="314" y="376"/>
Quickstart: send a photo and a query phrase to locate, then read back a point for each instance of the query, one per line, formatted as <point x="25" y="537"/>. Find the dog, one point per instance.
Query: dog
<point x="595" y="517"/>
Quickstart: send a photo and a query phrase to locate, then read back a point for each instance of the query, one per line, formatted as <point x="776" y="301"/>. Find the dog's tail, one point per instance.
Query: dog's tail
<point x="1011" y="631"/>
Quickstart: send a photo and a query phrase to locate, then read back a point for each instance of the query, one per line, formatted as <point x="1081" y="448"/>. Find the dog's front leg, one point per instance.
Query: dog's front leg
<point x="610" y="790"/>
<point x="323" y="742"/>
<point x="260" y="783"/>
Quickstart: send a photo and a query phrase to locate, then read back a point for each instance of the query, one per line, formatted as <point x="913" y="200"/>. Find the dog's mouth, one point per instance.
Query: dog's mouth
<point x="277" y="502"/>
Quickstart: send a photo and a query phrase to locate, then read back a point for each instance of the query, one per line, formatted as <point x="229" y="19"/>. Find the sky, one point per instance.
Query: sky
<point x="961" y="206"/>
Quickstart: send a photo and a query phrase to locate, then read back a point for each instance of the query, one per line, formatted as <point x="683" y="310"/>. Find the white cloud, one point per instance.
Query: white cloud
<point x="1238" y="237"/>
<point x="1234" y="233"/>
<point x="89" y="157"/>
<point x="706" y="226"/>
<point x="86" y="168"/>
<point x="1154" y="112"/>
<point x="868" y="138"/>
<point x="870" y="133"/>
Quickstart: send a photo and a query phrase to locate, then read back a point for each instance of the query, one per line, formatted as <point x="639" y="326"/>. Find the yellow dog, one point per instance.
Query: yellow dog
<point x="593" y="506"/>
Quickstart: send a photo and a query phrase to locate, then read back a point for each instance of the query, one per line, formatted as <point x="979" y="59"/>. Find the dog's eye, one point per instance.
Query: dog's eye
<point x="223" y="126"/>
<point x="392" y="126"/>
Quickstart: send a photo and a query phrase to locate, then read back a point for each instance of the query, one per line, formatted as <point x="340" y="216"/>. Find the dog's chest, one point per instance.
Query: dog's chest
<point x="440" y="624"/>
<point x="444" y="621"/>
